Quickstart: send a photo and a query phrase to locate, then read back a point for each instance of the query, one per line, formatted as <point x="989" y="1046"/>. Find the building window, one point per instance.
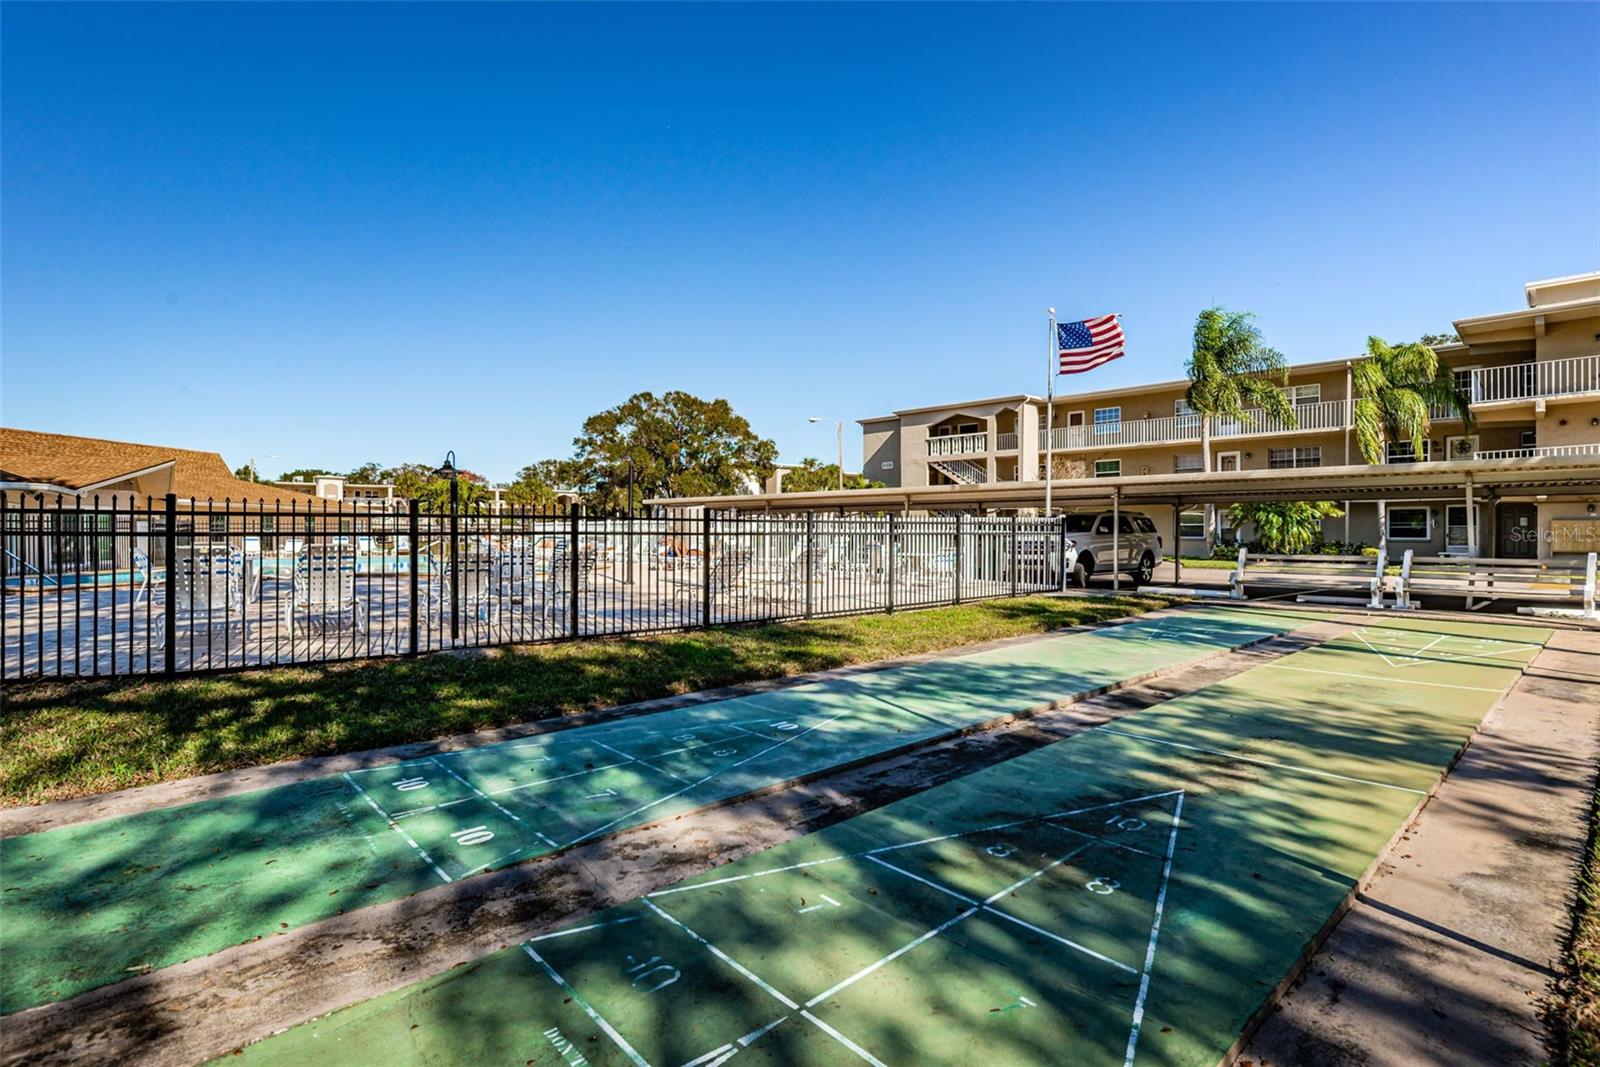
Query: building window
<point x="1192" y="524"/>
<point x="1187" y="464"/>
<point x="1528" y="439"/>
<point x="1107" y="468"/>
<point x="1107" y="420"/>
<point x="1455" y="526"/>
<point x="1181" y="409"/>
<point x="1279" y="458"/>
<point x="1401" y="451"/>
<point x="217" y="524"/>
<point x="1303" y="394"/>
<point x="1409" y="524"/>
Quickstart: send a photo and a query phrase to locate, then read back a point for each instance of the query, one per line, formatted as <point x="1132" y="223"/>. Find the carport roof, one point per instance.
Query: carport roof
<point x="1558" y="476"/>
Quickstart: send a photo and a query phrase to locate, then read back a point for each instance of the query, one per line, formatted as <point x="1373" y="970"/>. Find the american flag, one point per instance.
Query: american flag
<point x="1087" y="344"/>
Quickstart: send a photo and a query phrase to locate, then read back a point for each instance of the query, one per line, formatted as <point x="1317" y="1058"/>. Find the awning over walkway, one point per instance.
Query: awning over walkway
<point x="1537" y="476"/>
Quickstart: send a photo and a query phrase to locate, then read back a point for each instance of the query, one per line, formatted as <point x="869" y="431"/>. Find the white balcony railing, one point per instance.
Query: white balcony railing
<point x="1532" y="381"/>
<point x="1005" y="442"/>
<point x="958" y="444"/>
<point x="1324" y="415"/>
<point x="1547" y="450"/>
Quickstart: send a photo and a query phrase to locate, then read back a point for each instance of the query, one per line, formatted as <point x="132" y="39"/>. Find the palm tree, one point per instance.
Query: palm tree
<point x="1397" y="387"/>
<point x="1231" y="373"/>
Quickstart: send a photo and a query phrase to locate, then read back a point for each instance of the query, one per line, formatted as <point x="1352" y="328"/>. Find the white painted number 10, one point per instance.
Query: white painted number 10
<point x="651" y="975"/>
<point x="1126" y="823"/>
<point x="473" y="835"/>
<point x="1103" y="886"/>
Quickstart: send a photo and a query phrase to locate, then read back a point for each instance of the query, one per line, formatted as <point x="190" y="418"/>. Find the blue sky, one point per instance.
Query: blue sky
<point x="342" y="233"/>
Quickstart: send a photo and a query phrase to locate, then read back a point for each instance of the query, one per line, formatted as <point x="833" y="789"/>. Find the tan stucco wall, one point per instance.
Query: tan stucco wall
<point x="880" y="444"/>
<point x="1569" y="424"/>
<point x="1563" y="340"/>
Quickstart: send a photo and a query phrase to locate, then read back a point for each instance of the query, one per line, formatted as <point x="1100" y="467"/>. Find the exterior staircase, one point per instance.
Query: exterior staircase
<point x="961" y="471"/>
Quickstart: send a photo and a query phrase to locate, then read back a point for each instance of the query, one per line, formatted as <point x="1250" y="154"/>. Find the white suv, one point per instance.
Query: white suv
<point x="1089" y="551"/>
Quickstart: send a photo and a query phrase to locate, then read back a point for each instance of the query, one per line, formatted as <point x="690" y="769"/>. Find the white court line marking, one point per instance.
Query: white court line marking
<point x="396" y="828"/>
<point x="1057" y="937"/>
<point x="1413" y="657"/>
<point x="1379" y="678"/>
<point x="641" y="762"/>
<point x="577" y="998"/>
<point x="1032" y="819"/>
<point x="1155" y="932"/>
<point x="702" y="781"/>
<point x="498" y="807"/>
<point x="896" y="954"/>
<point x="826" y="902"/>
<point x="753" y="1035"/>
<point x="582" y="929"/>
<point x="725" y="958"/>
<point x="720" y="1050"/>
<point x="845" y="1041"/>
<point x="742" y="877"/>
<point x="557" y="778"/>
<point x="397" y="816"/>
<point x="1265" y="763"/>
<point x="869" y="853"/>
<point x="925" y="881"/>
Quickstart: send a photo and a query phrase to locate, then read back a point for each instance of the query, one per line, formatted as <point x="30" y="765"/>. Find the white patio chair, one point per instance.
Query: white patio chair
<point x="479" y="577"/>
<point x="556" y="589"/>
<point x="207" y="591"/>
<point x="324" y="584"/>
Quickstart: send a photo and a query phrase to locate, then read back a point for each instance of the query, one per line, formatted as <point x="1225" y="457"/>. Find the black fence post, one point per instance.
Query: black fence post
<point x="455" y="569"/>
<point x="1061" y="558"/>
<point x="413" y="535"/>
<point x="705" y="567"/>
<point x="169" y="620"/>
<point x="1014" y="560"/>
<point x="890" y="563"/>
<point x="958" y="558"/>
<point x="574" y="567"/>
<point x="810" y="550"/>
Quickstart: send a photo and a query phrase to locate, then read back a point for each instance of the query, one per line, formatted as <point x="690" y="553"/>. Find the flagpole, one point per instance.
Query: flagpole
<point x="1049" y="412"/>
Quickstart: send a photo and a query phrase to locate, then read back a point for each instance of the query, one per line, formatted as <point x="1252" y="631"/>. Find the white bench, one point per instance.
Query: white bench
<point x="1317" y="572"/>
<point x="1483" y="580"/>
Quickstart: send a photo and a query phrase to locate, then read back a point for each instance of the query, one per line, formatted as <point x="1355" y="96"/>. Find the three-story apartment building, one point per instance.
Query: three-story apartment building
<point x="1533" y="376"/>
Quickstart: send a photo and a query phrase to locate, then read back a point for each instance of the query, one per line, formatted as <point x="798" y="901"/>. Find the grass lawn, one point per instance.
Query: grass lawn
<point x="66" y="740"/>
<point x="1201" y="563"/>
<point x="1574" y="1014"/>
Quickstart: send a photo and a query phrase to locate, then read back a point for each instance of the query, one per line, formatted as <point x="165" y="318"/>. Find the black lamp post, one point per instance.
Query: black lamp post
<point x="449" y="471"/>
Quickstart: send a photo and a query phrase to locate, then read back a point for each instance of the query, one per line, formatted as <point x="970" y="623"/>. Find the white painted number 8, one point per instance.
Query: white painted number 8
<point x="1104" y="886"/>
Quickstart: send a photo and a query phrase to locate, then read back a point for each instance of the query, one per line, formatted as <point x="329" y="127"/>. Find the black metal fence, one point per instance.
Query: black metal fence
<point x="123" y="587"/>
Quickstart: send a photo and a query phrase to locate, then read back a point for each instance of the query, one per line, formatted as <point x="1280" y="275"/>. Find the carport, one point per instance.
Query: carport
<point x="1571" y="479"/>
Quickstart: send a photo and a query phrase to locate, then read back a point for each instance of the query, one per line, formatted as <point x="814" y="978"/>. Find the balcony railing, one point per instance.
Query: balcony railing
<point x="1324" y="415"/>
<point x="1005" y="442"/>
<point x="958" y="444"/>
<point x="1532" y="381"/>
<point x="1548" y="450"/>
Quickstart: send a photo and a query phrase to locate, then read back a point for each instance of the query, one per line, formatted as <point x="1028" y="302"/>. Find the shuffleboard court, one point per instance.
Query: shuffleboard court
<point x="1131" y="894"/>
<point x="87" y="905"/>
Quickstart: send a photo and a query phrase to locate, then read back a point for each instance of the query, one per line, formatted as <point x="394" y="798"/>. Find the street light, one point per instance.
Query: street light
<point x="840" y="425"/>
<point x="449" y="471"/>
<point x="268" y="455"/>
